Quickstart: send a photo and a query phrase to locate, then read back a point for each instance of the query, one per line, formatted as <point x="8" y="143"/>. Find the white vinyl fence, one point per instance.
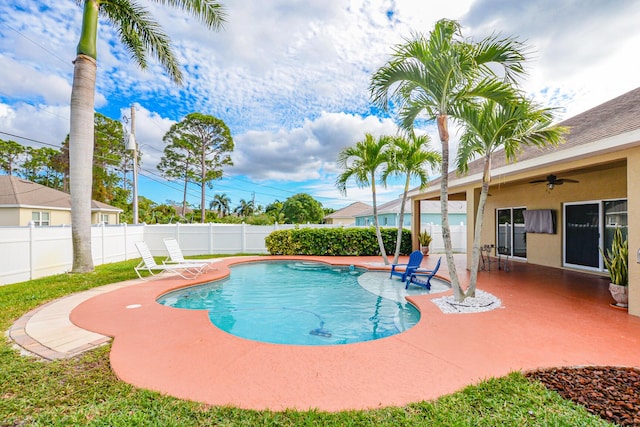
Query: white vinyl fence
<point x="30" y="252"/>
<point x="458" y="237"/>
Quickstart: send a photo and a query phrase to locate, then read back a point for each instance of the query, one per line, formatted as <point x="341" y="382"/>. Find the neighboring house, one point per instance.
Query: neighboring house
<point x="596" y="188"/>
<point x="389" y="213"/>
<point x="346" y="216"/>
<point x="22" y="202"/>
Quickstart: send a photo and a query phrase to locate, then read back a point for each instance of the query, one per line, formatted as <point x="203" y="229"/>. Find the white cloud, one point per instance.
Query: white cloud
<point x="24" y="81"/>
<point x="305" y="152"/>
<point x="48" y="124"/>
<point x="584" y="52"/>
<point x="290" y="78"/>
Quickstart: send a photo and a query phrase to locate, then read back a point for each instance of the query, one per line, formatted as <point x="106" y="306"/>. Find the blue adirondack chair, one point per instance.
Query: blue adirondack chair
<point x="414" y="263"/>
<point x="423" y="277"/>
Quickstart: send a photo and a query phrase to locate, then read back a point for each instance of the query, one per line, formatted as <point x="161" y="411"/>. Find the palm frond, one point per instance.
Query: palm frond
<point x="490" y="126"/>
<point x="410" y="156"/>
<point x="141" y="34"/>
<point x="361" y="162"/>
<point x="209" y="12"/>
<point x="508" y="53"/>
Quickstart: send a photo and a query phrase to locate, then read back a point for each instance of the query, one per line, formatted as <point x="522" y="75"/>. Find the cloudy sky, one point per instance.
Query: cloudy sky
<point x="290" y="78"/>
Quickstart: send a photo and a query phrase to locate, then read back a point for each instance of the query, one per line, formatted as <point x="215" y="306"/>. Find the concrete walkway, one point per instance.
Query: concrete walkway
<point x="47" y="331"/>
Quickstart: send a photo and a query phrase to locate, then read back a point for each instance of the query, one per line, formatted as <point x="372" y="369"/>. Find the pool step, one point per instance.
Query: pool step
<point x="307" y="266"/>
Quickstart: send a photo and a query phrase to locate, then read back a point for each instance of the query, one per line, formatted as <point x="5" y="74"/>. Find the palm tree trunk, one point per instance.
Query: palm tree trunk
<point x="401" y="221"/>
<point x="81" y="159"/>
<point x="444" y="207"/>
<point x="376" y="222"/>
<point x="475" y="259"/>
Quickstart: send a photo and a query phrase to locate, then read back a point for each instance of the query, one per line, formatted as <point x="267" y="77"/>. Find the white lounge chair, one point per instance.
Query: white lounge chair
<point x="186" y="271"/>
<point x="176" y="256"/>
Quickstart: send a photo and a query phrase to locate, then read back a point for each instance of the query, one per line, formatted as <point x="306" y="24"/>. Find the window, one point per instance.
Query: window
<point x="40" y="218"/>
<point x="104" y="218"/>
<point x="510" y="235"/>
<point x="615" y="215"/>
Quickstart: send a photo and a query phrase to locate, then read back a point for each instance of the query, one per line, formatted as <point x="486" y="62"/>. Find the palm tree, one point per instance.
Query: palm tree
<point x="491" y="127"/>
<point x="409" y="157"/>
<point x="361" y="162"/>
<point x="220" y="203"/>
<point x="141" y="35"/>
<point x="245" y="208"/>
<point x="435" y="76"/>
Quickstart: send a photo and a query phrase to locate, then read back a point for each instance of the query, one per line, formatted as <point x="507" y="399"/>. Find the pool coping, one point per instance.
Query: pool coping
<point x="48" y="333"/>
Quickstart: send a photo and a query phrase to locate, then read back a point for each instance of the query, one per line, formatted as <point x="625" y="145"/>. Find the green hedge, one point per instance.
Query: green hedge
<point x="335" y="241"/>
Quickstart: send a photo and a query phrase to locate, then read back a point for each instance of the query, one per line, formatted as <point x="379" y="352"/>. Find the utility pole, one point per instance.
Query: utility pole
<point x="133" y="146"/>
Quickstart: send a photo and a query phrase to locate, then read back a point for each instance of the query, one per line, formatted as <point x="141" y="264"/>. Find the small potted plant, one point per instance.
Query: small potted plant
<point x="424" y="238"/>
<point x="616" y="260"/>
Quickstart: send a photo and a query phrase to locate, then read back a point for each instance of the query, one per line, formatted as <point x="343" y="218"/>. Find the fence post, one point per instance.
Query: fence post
<point x="210" y="238"/>
<point x="243" y="238"/>
<point x="124" y="233"/>
<point x="32" y="268"/>
<point x="102" y="243"/>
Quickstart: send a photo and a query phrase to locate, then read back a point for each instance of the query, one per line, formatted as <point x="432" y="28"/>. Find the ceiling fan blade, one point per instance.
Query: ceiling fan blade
<point x="537" y="181"/>
<point x="569" y="180"/>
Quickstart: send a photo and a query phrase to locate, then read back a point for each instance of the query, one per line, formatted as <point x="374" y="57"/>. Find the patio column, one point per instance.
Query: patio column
<point x="633" y="205"/>
<point x="415" y="223"/>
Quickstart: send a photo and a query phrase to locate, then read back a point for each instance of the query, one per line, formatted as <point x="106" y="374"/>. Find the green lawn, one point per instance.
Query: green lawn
<point x="84" y="391"/>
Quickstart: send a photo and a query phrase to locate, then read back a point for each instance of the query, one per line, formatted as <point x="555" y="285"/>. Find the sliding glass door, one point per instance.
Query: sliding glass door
<point x="589" y="226"/>
<point x="510" y="235"/>
<point x="582" y="235"/>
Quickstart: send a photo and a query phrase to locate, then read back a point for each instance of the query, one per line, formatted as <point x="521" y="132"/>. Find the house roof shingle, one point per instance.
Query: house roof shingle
<point x="614" y="117"/>
<point x="18" y="192"/>
<point x="426" y="206"/>
<point x="351" y="211"/>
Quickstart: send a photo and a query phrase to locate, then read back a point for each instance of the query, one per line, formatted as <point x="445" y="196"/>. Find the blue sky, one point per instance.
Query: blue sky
<point x="290" y="78"/>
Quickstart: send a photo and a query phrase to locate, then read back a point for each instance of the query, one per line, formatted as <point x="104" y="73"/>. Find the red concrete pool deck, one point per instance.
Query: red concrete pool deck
<point x="549" y="317"/>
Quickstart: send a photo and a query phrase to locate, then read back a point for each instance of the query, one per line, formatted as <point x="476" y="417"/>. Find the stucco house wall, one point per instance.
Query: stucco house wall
<point x="546" y="249"/>
<point x="20" y="198"/>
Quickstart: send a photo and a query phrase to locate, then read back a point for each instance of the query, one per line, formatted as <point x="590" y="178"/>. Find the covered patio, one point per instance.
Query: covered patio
<point x="586" y="187"/>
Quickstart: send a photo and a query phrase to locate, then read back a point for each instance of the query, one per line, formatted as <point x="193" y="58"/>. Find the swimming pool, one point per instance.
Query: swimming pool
<point x="299" y="303"/>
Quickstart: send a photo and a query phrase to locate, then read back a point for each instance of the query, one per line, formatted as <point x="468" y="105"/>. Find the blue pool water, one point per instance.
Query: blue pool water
<point x="297" y="303"/>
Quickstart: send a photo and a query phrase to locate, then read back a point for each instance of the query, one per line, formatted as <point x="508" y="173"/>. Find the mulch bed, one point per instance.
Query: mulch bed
<point x="610" y="392"/>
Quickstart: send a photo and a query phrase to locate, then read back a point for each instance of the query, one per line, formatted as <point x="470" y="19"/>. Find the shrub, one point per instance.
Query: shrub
<point x="335" y="241"/>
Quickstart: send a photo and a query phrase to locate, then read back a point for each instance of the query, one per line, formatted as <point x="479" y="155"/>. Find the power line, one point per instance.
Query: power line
<point x="66" y="62"/>
<point x="227" y="176"/>
<point x="30" y="103"/>
<point x="30" y="139"/>
<point x="189" y="191"/>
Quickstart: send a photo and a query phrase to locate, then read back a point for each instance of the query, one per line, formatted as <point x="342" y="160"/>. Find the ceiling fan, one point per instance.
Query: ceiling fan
<point x="552" y="181"/>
